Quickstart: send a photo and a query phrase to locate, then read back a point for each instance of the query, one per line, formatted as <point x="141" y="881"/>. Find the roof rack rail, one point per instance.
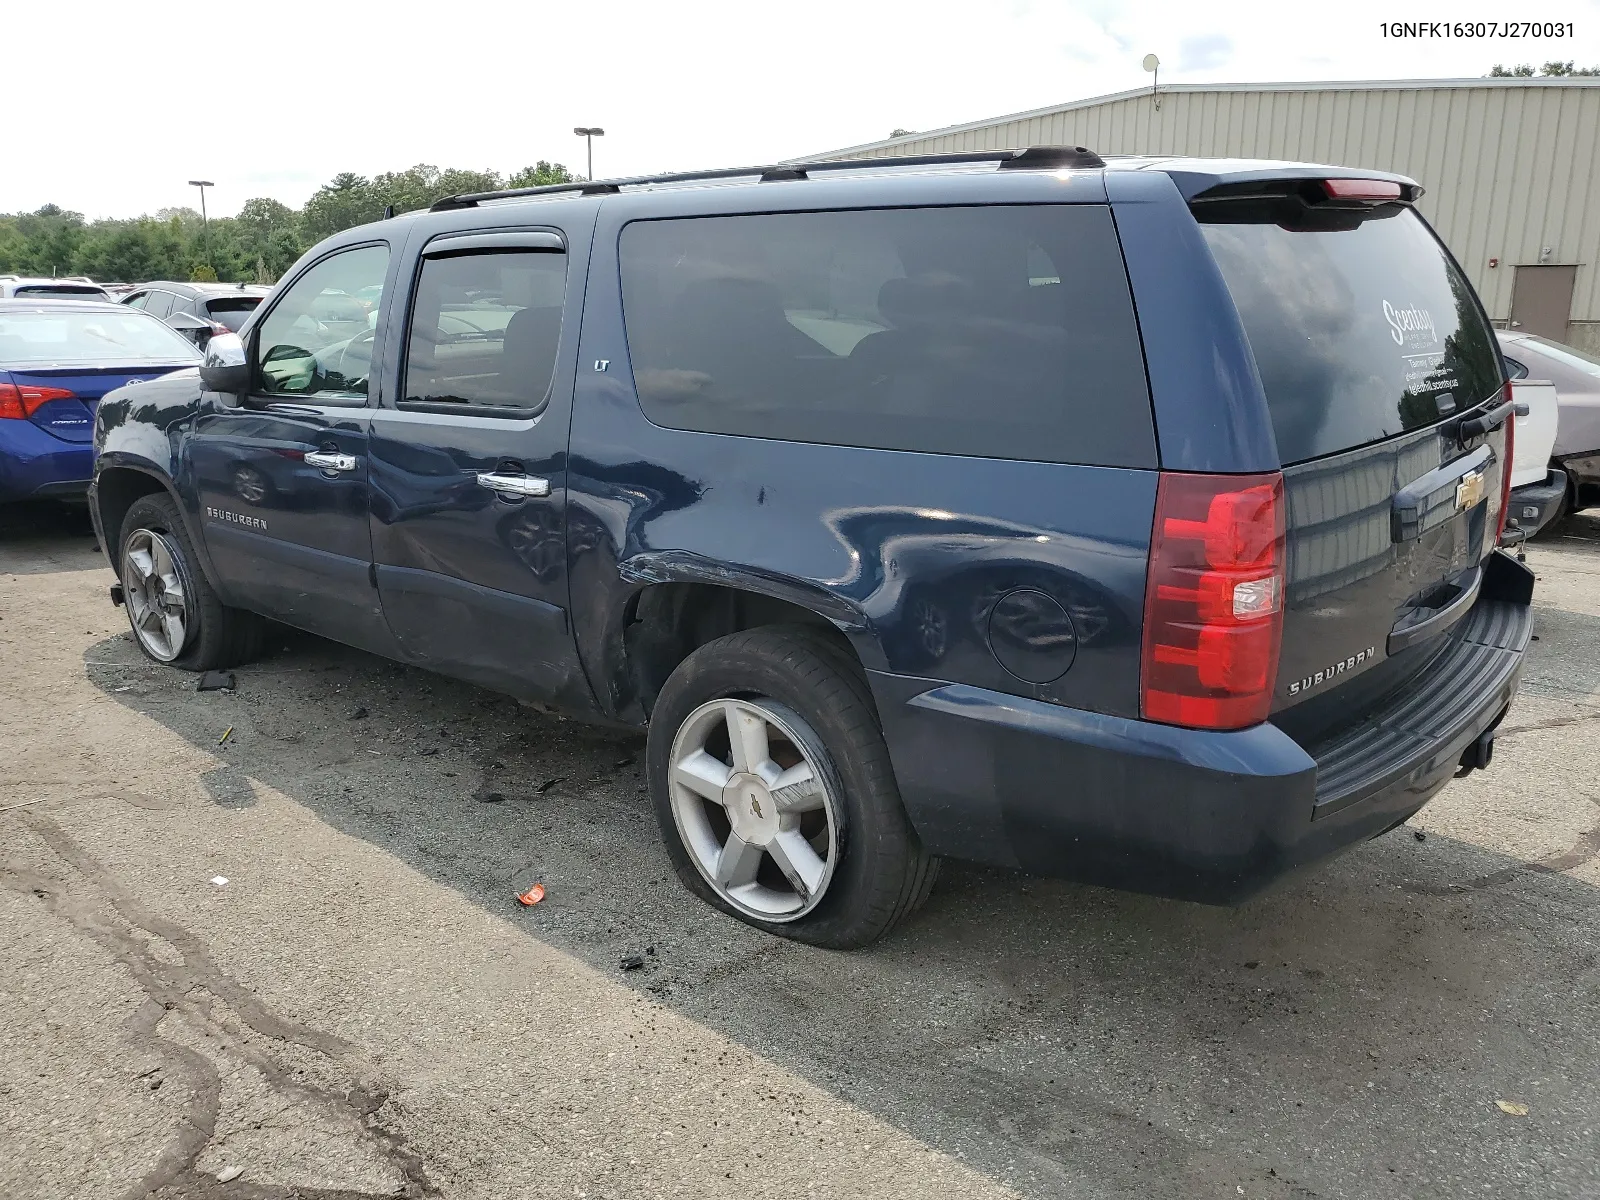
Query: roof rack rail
<point x="1031" y="157"/>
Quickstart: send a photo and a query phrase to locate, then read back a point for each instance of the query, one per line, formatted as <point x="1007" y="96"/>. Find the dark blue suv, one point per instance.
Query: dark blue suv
<point x="1129" y="520"/>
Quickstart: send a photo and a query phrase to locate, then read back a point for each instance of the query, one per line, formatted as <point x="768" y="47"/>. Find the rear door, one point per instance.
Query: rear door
<point x="469" y="460"/>
<point x="282" y="477"/>
<point x="1376" y="357"/>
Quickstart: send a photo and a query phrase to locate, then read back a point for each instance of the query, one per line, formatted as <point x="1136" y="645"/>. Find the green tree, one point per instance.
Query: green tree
<point x="124" y="250"/>
<point x="423" y="184"/>
<point x="261" y="243"/>
<point x="1549" y="70"/>
<point x="50" y="238"/>
<point x="541" y="174"/>
<point x="13" y="244"/>
<point x="269" y="237"/>
<point x="345" y="200"/>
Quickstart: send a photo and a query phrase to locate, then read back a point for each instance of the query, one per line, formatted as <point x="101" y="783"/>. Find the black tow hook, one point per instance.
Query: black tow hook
<point x="116" y="594"/>
<point x="1478" y="755"/>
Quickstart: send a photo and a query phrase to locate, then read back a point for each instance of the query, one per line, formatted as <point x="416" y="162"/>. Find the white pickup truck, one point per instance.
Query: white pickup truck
<point x="1576" y="375"/>
<point x="1537" y="491"/>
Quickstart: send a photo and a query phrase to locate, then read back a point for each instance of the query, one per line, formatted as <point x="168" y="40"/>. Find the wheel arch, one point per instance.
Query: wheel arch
<point x="680" y="604"/>
<point x="117" y="487"/>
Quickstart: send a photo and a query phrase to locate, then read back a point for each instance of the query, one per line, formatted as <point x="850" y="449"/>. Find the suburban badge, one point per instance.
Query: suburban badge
<point x="1332" y="671"/>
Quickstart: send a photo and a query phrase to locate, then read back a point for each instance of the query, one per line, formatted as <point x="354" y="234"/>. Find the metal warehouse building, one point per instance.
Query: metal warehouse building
<point x="1509" y="165"/>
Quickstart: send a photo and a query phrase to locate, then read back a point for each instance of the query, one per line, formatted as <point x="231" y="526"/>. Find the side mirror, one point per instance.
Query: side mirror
<point x="226" y="367"/>
<point x="192" y="327"/>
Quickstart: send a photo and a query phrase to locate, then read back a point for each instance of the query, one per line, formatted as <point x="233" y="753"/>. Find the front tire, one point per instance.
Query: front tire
<point x="774" y="791"/>
<point x="175" y="615"/>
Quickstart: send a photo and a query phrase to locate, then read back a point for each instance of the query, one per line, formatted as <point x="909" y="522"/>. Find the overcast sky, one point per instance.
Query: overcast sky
<point x="274" y="97"/>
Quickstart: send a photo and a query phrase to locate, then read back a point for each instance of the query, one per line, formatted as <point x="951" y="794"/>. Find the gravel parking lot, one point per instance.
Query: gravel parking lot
<point x="362" y="1010"/>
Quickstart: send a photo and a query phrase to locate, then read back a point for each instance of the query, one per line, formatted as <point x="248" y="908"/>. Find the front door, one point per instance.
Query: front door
<point x="1541" y="300"/>
<point x="282" y="476"/>
<point x="468" y="460"/>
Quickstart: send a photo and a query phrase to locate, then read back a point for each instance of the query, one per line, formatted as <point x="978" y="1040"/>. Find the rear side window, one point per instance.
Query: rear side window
<point x="159" y="304"/>
<point x="232" y="310"/>
<point x="1359" y="333"/>
<point x="485" y="328"/>
<point x="1002" y="332"/>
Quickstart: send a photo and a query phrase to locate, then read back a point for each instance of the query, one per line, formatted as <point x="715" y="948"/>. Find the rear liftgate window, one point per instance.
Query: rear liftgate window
<point x="1361" y="326"/>
<point x="1003" y="332"/>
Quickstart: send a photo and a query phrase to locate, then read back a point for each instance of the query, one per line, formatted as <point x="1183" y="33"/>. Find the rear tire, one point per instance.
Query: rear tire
<point x="176" y="617"/>
<point x="804" y="716"/>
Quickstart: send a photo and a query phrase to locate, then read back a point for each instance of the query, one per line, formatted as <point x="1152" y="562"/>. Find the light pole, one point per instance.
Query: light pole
<point x="205" y="223"/>
<point x="589" y="133"/>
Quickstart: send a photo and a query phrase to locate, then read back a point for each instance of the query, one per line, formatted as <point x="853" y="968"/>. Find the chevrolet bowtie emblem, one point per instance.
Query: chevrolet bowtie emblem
<point x="1469" y="491"/>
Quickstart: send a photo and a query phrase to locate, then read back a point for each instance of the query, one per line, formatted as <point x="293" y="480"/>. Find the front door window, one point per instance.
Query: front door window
<point x="317" y="340"/>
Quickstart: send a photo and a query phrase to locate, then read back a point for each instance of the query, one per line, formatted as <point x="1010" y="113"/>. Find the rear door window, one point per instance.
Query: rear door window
<point x="1003" y="331"/>
<point x="1360" y="333"/>
<point x="159" y="304"/>
<point x="484" y="330"/>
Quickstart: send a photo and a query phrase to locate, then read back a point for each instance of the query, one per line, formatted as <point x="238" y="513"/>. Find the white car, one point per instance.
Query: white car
<point x="1575" y="457"/>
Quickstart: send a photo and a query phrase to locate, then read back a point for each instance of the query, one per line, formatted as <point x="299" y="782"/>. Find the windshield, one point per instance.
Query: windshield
<point x="1566" y="355"/>
<point x="1360" y="332"/>
<point x="89" y="337"/>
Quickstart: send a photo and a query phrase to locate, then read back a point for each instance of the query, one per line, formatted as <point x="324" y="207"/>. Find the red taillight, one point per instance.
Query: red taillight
<point x="1506" y="468"/>
<point x="1213" y="606"/>
<point x="1361" y="189"/>
<point x="18" y="402"/>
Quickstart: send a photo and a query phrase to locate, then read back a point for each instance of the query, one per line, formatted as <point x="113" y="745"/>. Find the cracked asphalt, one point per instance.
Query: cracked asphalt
<point x="362" y="1010"/>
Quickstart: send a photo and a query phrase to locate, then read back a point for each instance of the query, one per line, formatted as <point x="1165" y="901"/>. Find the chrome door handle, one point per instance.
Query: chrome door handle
<point x="513" y="485"/>
<point x="329" y="460"/>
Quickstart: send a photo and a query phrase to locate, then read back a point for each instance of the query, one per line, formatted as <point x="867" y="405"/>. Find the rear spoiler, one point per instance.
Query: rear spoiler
<point x="1328" y="202"/>
<point x="1316" y="190"/>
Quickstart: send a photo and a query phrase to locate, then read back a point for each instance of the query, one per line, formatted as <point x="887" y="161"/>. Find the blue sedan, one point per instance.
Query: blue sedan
<point x="57" y="358"/>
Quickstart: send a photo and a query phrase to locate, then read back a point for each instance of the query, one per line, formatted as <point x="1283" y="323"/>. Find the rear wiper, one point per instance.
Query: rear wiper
<point x="1475" y="427"/>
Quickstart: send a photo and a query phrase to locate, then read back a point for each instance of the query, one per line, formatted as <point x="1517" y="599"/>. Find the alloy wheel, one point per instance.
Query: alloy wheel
<point x="754" y="808"/>
<point x="154" y="591"/>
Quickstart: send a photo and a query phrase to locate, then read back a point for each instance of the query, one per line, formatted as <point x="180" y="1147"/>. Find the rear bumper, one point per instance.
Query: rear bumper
<point x="36" y="463"/>
<point x="1535" y="505"/>
<point x="1193" y="815"/>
